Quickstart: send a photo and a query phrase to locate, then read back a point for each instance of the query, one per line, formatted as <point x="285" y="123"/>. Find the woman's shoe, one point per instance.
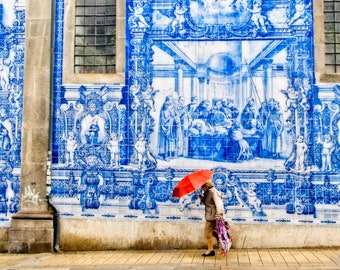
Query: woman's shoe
<point x="211" y="253"/>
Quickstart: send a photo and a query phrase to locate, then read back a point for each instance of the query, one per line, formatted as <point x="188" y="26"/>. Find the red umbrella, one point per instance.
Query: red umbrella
<point x="191" y="182"/>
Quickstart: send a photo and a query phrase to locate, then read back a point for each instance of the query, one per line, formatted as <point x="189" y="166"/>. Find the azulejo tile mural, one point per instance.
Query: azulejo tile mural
<point x="222" y="85"/>
<point x="11" y="92"/>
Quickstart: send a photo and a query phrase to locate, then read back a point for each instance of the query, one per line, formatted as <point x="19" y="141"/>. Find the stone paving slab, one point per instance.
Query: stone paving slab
<point x="236" y="259"/>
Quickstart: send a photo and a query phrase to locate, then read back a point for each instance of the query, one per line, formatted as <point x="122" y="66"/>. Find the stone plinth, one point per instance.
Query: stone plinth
<point x="33" y="234"/>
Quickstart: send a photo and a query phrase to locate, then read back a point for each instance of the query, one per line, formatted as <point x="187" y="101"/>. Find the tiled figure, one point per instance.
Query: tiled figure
<point x="257" y="17"/>
<point x="141" y="150"/>
<point x="71" y="146"/>
<point x="328" y="148"/>
<point x="113" y="146"/>
<point x="301" y="149"/>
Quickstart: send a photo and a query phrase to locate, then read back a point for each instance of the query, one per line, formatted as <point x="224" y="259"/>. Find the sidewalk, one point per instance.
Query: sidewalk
<point x="237" y="259"/>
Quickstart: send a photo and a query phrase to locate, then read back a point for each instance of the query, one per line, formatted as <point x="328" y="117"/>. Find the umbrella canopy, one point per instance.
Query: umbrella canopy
<point x="191" y="182"/>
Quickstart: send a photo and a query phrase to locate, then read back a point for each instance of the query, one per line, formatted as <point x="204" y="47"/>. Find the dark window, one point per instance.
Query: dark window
<point x="332" y="35"/>
<point x="95" y="36"/>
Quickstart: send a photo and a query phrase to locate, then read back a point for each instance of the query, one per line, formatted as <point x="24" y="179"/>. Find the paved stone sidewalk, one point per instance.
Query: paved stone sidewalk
<point x="237" y="259"/>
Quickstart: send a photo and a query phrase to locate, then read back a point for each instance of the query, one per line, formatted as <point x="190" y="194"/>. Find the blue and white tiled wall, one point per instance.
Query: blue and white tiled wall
<point x="12" y="33"/>
<point x="223" y="85"/>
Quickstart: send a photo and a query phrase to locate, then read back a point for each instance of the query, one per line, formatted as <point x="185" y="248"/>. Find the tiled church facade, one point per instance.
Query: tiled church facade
<point x="233" y="86"/>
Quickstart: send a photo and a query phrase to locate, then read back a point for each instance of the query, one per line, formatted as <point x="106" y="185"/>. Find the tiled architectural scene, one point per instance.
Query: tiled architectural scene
<point x="227" y="85"/>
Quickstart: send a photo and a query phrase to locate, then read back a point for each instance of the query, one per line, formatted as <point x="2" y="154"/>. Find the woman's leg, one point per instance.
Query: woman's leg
<point x="210" y="242"/>
<point x="208" y="233"/>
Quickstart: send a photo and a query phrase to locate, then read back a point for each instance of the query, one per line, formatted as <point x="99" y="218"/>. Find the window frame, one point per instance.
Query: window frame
<point x="321" y="75"/>
<point x="69" y="76"/>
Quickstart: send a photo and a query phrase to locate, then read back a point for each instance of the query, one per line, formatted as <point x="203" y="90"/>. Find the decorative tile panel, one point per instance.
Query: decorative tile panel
<point x="12" y="33"/>
<point x="222" y="85"/>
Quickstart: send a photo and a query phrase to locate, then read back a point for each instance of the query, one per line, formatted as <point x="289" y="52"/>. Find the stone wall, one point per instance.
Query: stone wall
<point x="187" y="235"/>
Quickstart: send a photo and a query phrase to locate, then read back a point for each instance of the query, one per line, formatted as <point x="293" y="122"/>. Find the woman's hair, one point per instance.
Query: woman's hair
<point x="208" y="184"/>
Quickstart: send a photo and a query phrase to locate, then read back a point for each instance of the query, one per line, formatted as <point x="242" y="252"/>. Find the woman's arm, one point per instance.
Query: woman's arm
<point x="219" y="204"/>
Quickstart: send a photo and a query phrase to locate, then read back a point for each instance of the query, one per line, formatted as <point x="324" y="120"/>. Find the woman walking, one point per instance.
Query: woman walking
<point x="212" y="199"/>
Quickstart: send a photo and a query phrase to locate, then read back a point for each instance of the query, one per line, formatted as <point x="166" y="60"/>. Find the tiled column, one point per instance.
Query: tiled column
<point x="179" y="77"/>
<point x="268" y="78"/>
<point x="32" y="227"/>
